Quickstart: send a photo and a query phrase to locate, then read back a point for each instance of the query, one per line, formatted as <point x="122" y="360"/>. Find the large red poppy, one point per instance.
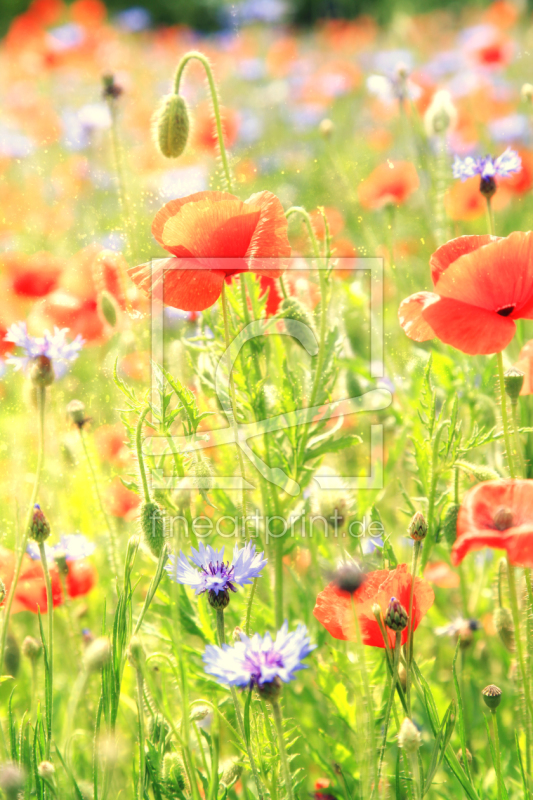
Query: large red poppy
<point x="482" y="285"/>
<point x="390" y="183"/>
<point x="334" y="608"/>
<point x="214" y="235"/>
<point x="31" y="587"/>
<point x="497" y="514"/>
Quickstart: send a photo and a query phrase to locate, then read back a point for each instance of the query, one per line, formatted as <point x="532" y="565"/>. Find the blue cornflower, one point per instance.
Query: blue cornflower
<point x="50" y="353"/>
<point x="488" y="169"/>
<point x="206" y="571"/>
<point x="260" y="661"/>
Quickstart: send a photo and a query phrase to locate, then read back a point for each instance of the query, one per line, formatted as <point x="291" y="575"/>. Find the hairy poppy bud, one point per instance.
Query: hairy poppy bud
<point x="513" y="380"/>
<point x="76" y="412"/>
<point x="409" y="736"/>
<point x="503" y="622"/>
<point x="396" y="617"/>
<point x="98" y="653"/>
<point x="42" y="372"/>
<point x="173" y="774"/>
<point x="31" y="648"/>
<point x="291" y="309"/>
<point x="231" y="774"/>
<point x="170" y="126"/>
<point x="418" y="527"/>
<point x="492" y="696"/>
<point x="107" y="306"/>
<point x="40" y="527"/>
<point x="153" y="527"/>
<point x="218" y="600"/>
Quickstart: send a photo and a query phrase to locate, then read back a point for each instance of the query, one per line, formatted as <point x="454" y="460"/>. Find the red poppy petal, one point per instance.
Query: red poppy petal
<point x="411" y="319"/>
<point x="493" y="277"/>
<point x="472" y="330"/>
<point x="454" y="249"/>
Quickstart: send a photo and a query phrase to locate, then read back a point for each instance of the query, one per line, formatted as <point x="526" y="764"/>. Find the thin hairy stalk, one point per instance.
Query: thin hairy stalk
<point x="278" y="720"/>
<point x="390" y="701"/>
<point x="238" y="712"/>
<point x="50" y="684"/>
<point x="505" y="421"/>
<point x="41" y="396"/>
<point x="111" y="536"/>
<point x="214" y="99"/>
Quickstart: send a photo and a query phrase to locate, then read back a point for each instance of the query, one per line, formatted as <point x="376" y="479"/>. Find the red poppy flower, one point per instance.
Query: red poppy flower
<point x="482" y="285"/>
<point x="497" y="514"/>
<point x="334" y="608"/>
<point x="390" y="183"/>
<point x="214" y="225"/>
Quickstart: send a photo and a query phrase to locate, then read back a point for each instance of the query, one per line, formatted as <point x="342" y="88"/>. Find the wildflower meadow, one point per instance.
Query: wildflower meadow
<point x="266" y="387"/>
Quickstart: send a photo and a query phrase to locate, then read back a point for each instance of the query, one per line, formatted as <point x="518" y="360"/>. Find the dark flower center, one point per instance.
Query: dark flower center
<point x="505" y="311"/>
<point x="503" y="518"/>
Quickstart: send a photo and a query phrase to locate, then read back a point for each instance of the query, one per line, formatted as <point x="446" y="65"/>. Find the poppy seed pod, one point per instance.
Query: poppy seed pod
<point x="418" y="527"/>
<point x="492" y="696"/>
<point x="170" y="126"/>
<point x="513" y="380"/>
<point x="396" y="617"/>
<point x="40" y="527"/>
<point x="153" y="527"/>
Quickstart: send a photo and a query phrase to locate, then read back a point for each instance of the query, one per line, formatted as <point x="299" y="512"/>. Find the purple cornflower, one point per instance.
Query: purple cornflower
<point x="206" y="571"/>
<point x="488" y="169"/>
<point x="50" y="352"/>
<point x="260" y="661"/>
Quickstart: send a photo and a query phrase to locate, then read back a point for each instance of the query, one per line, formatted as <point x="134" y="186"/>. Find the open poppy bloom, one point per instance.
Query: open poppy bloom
<point x="482" y="285"/>
<point x="213" y="236"/>
<point x="497" y="514"/>
<point x="389" y="184"/>
<point x="334" y="608"/>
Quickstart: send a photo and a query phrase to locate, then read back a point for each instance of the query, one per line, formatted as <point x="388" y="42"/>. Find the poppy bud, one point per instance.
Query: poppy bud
<point x="46" y="771"/>
<point x="409" y="736"/>
<point x="76" y="412"/>
<point x="396" y="617"/>
<point x="231" y="773"/>
<point x="98" y="654"/>
<point x="326" y="128"/>
<point x="107" y="306"/>
<point x="527" y="92"/>
<point x="218" y="600"/>
<point x="271" y="690"/>
<point x="199" y="713"/>
<point x="153" y="527"/>
<point x="492" y="696"/>
<point x="12" y="780"/>
<point x="136" y="653"/>
<point x="170" y="126"/>
<point x="513" y="380"/>
<point x="31" y="648"/>
<point x="173" y="774"/>
<point x="291" y="309"/>
<point x="40" y="527"/>
<point x="449" y="523"/>
<point x="418" y="527"/>
<point x="42" y="372"/>
<point x="349" y="578"/>
<point x="2" y="591"/>
<point x="503" y="622"/>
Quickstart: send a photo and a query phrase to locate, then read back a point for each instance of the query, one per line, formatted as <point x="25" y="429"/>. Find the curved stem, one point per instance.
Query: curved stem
<point x="50" y="683"/>
<point x="140" y="457"/>
<point x="390" y="701"/>
<point x="41" y="396"/>
<point x="278" y="720"/>
<point x="505" y="421"/>
<point x="214" y="99"/>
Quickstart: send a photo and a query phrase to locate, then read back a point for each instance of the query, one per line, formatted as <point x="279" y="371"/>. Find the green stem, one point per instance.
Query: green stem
<point x="140" y="708"/>
<point x="140" y="457"/>
<point x="410" y="632"/>
<point x="41" y="396"/>
<point x="238" y="712"/>
<point x="390" y="701"/>
<point x="278" y="721"/>
<point x="518" y="444"/>
<point x="505" y="421"/>
<point x="111" y="537"/>
<point x="497" y="759"/>
<point x="50" y="685"/>
<point x="233" y="401"/>
<point x="214" y="99"/>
